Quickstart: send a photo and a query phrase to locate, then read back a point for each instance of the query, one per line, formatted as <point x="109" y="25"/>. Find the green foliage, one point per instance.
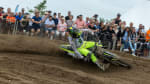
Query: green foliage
<point x="105" y="20"/>
<point x="40" y="7"/>
<point x="30" y="11"/>
<point x="102" y="19"/>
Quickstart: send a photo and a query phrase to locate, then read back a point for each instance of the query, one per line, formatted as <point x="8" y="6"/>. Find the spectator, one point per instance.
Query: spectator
<point x="36" y="24"/>
<point x="49" y="13"/>
<point x="92" y="27"/>
<point x="55" y="19"/>
<point x="7" y="13"/>
<point x="102" y="25"/>
<point x="95" y="17"/>
<point x="11" y="19"/>
<point x="115" y="28"/>
<point x="70" y="22"/>
<point x="19" y="19"/>
<point x="2" y="9"/>
<point x="131" y="26"/>
<point x="140" y="27"/>
<point x="67" y="17"/>
<point x="133" y="35"/>
<point x="87" y="21"/>
<point x="23" y="11"/>
<point x="104" y="36"/>
<point x="115" y="41"/>
<point x="143" y="29"/>
<point x="30" y="23"/>
<point x="80" y="23"/>
<point x="148" y="35"/>
<point x="62" y="27"/>
<point x="1" y="14"/>
<point x="124" y="22"/>
<point x="133" y="41"/>
<point x="112" y="38"/>
<point x="59" y="16"/>
<point x="44" y="18"/>
<point x="2" y="20"/>
<point x="50" y="24"/>
<point x="113" y="22"/>
<point x="97" y="25"/>
<point x="25" y="23"/>
<point x="120" y="32"/>
<point x="148" y="40"/>
<point x="1" y="17"/>
<point x="142" y="46"/>
<point x="125" y="38"/>
<point x="118" y="20"/>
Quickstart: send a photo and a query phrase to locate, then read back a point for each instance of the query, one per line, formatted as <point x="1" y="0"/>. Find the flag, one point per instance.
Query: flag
<point x="16" y="9"/>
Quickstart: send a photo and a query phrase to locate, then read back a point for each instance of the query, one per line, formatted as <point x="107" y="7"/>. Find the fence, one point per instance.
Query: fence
<point x="7" y="27"/>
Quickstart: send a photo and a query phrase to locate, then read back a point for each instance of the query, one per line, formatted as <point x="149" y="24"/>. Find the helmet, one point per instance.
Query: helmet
<point x="74" y="32"/>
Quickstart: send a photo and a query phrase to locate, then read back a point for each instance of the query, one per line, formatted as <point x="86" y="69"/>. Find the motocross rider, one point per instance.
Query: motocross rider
<point x="81" y="47"/>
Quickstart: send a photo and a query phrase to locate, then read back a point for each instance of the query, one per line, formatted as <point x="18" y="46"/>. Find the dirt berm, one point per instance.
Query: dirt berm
<point x="30" y="60"/>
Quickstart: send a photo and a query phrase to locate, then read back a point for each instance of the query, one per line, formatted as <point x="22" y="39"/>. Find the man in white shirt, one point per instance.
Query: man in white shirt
<point x="49" y="24"/>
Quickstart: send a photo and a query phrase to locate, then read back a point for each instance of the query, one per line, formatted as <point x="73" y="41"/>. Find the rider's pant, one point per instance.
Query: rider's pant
<point x="85" y="52"/>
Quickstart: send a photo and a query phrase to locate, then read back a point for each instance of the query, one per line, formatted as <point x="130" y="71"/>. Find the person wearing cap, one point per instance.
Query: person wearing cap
<point x="95" y="17"/>
<point x="44" y="18"/>
<point x="49" y="25"/>
<point x="55" y="19"/>
<point x="49" y="13"/>
<point x="118" y="20"/>
<point x="80" y="23"/>
<point x="67" y="17"/>
<point x="61" y="29"/>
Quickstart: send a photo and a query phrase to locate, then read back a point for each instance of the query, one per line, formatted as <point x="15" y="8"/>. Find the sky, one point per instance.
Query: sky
<point x="132" y="10"/>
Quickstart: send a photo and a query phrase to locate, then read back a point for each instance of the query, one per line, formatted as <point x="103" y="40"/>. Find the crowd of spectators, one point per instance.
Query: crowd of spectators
<point x="114" y="35"/>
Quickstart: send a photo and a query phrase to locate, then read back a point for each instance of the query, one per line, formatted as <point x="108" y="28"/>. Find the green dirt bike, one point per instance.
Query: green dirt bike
<point x="106" y="58"/>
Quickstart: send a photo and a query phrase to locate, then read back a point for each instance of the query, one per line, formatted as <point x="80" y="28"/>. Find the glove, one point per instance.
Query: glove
<point x="78" y="56"/>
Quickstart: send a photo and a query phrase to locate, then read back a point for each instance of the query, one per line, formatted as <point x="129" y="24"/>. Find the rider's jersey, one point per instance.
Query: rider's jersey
<point x="76" y="43"/>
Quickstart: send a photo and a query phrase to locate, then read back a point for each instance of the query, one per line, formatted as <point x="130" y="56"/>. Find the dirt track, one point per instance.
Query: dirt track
<point x="26" y="60"/>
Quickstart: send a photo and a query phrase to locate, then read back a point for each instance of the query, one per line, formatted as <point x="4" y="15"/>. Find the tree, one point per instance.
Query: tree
<point x="102" y="19"/>
<point x="40" y="7"/>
